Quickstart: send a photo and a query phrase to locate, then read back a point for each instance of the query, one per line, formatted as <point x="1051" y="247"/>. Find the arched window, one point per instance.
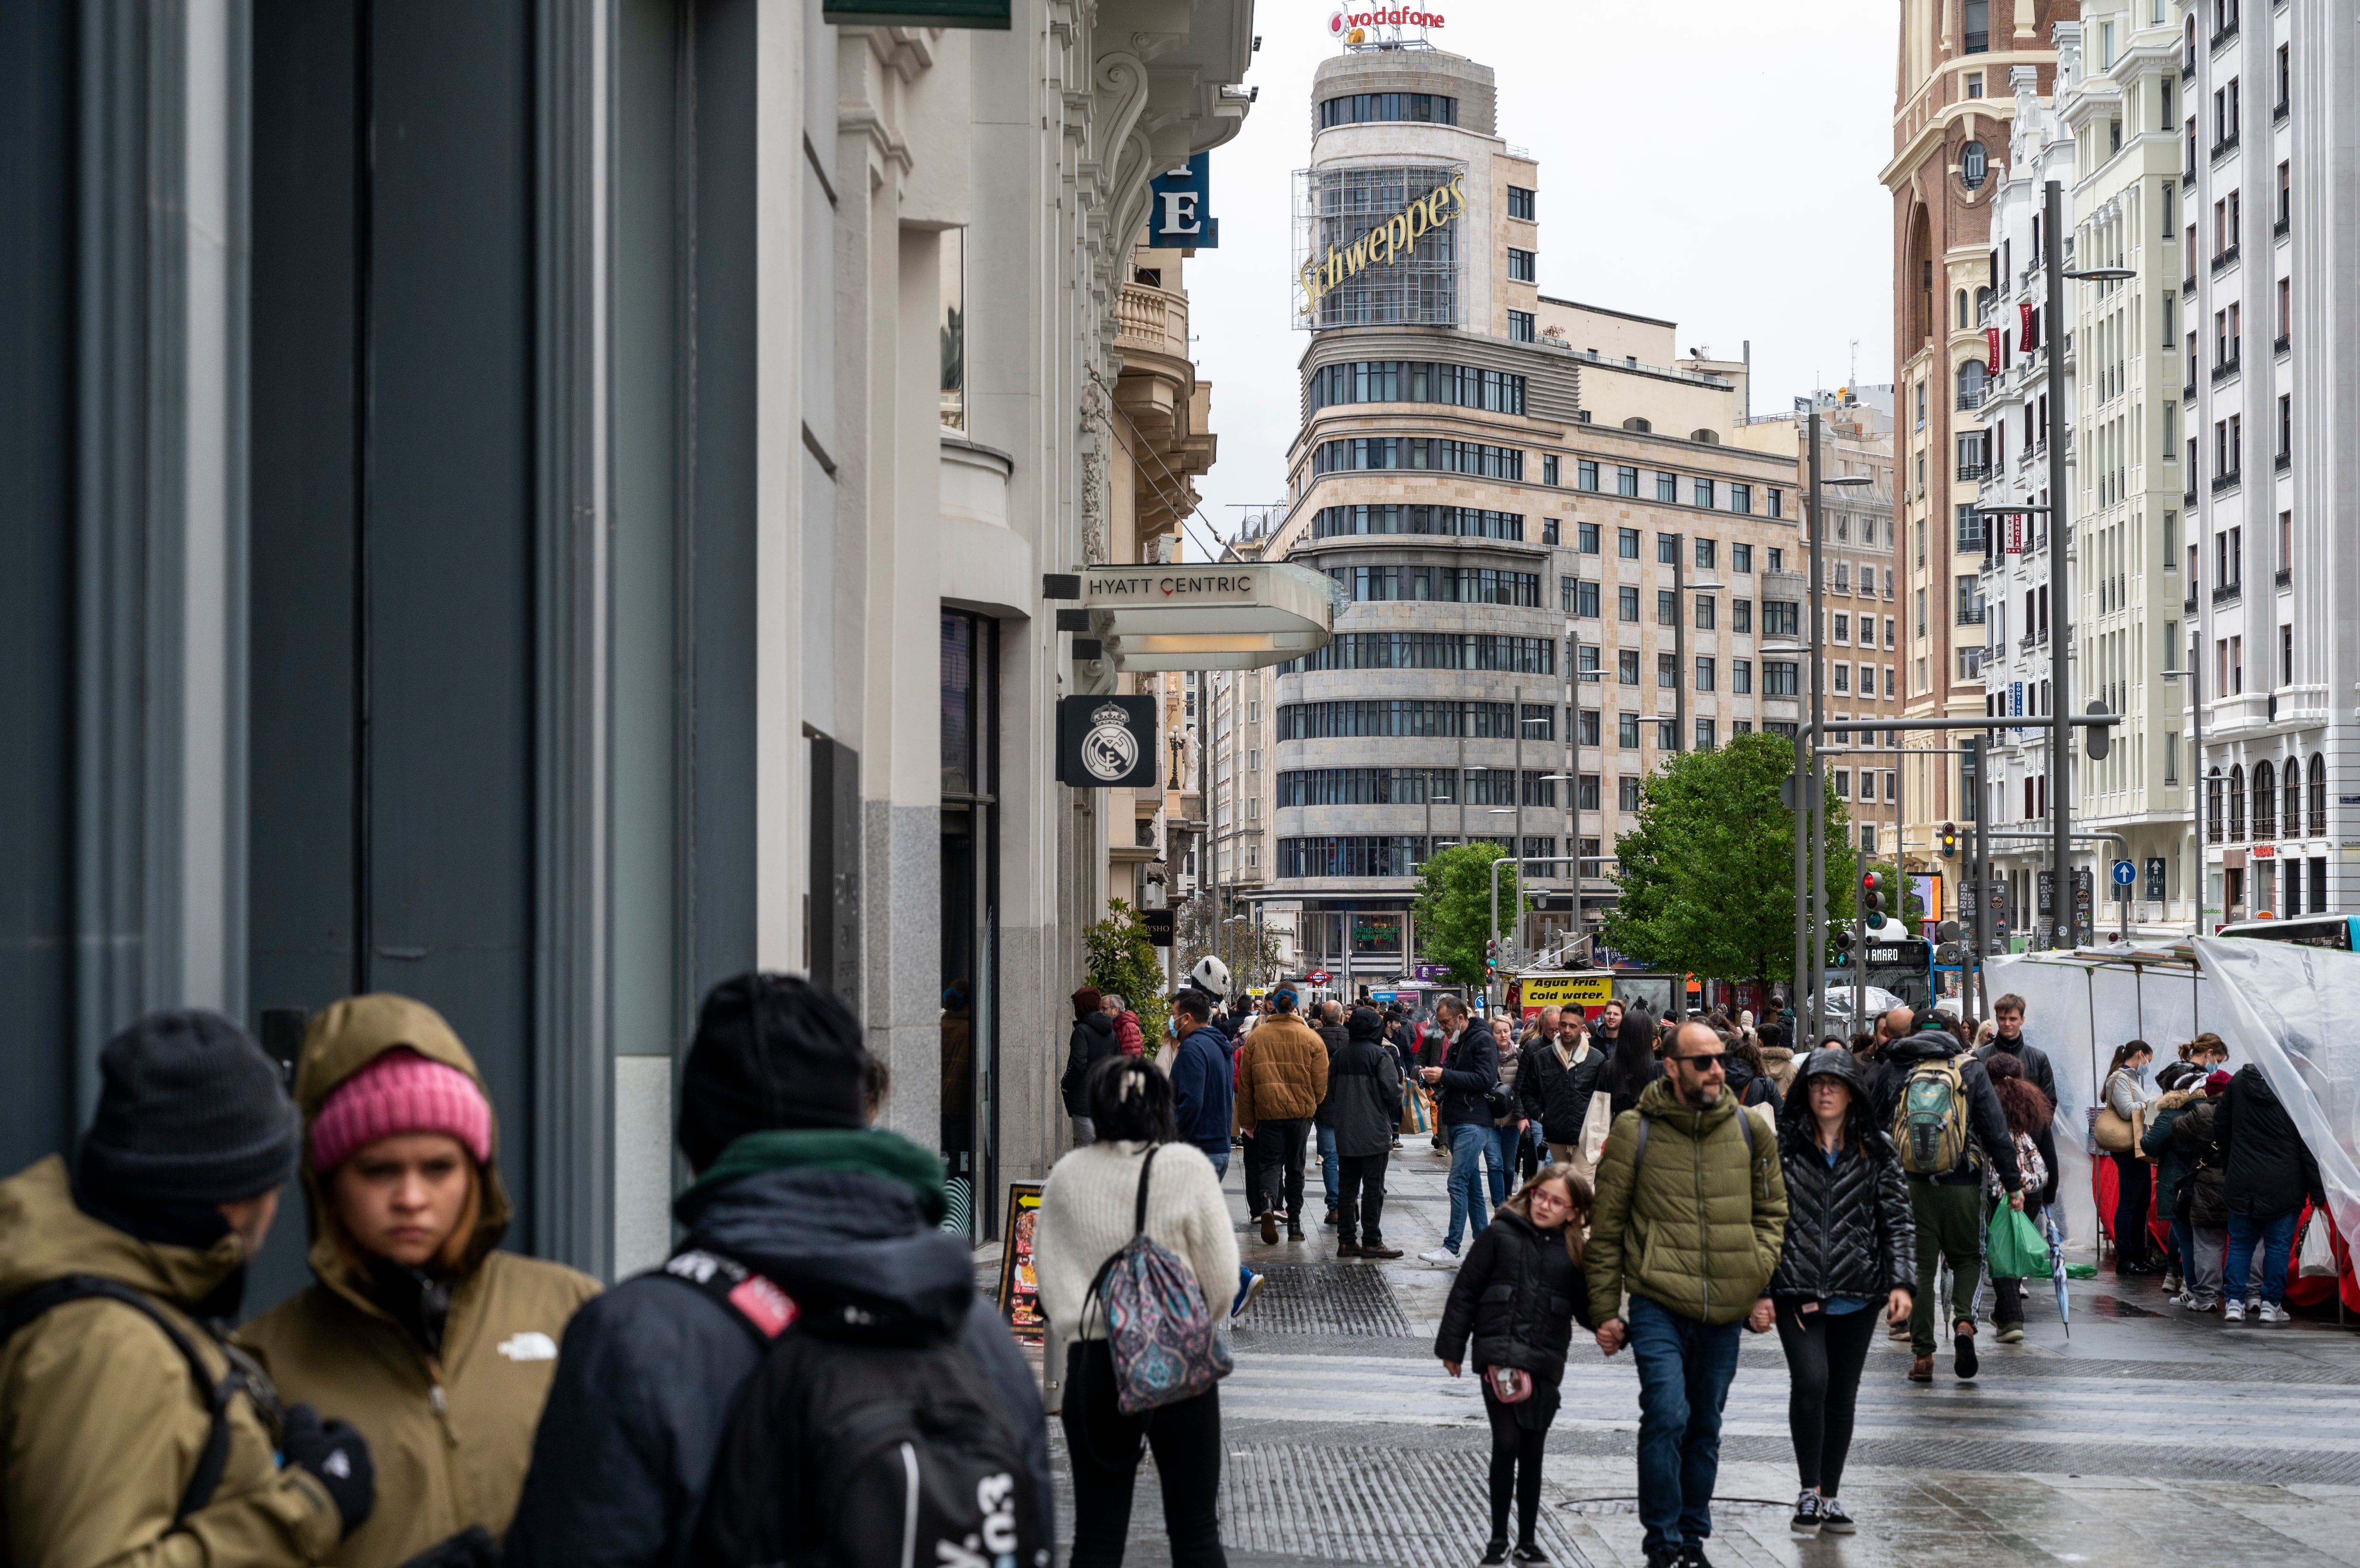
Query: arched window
<point x="1635" y="423"/>
<point x="1983" y="302"/>
<point x="2318" y="796"/>
<point x="2294" y="797"/>
<point x="2213" y="806"/>
<point x="1962" y="309"/>
<point x="1971" y="384"/>
<point x="2236" y="805"/>
<point x="1705" y="437"/>
<point x="2266" y="801"/>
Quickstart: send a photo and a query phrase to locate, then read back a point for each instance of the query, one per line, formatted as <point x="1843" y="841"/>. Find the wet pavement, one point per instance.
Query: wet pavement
<point x="2145" y="1437"/>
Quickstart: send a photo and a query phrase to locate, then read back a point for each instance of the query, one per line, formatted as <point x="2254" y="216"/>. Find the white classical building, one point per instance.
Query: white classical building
<point x="2269" y="120"/>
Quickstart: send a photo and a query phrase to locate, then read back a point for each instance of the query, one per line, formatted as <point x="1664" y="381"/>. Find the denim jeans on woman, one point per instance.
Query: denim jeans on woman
<point x="1684" y="1367"/>
<point x="1468" y="1142"/>
<point x="2276" y="1237"/>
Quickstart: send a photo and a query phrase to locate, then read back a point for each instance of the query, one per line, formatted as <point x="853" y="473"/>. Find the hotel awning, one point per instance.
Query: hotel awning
<point x="1233" y="616"/>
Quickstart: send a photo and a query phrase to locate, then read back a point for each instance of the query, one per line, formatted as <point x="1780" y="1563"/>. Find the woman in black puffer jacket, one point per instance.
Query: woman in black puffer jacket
<point x="1517" y="1296"/>
<point x="1851" y="1246"/>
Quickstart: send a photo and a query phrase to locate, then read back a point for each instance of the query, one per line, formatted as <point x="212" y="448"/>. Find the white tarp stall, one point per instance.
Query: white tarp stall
<point x="2275" y="1004"/>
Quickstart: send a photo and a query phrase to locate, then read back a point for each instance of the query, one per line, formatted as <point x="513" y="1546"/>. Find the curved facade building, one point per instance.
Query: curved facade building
<point x="1520" y="498"/>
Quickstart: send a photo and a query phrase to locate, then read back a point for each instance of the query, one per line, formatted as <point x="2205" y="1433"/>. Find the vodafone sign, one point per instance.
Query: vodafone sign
<point x="1344" y="24"/>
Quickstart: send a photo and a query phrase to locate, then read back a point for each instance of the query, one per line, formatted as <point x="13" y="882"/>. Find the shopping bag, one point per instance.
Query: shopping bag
<point x="1595" y="1125"/>
<point x="2316" y="1253"/>
<point x="2015" y="1249"/>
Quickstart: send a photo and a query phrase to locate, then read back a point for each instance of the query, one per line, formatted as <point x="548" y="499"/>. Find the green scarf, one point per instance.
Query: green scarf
<point x="872" y="1153"/>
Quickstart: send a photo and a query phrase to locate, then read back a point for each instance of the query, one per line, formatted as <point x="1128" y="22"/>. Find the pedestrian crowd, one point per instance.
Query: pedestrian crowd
<point x="812" y="1376"/>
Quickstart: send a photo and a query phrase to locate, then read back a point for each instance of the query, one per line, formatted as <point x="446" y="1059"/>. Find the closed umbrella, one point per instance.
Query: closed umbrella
<point x="2057" y="1269"/>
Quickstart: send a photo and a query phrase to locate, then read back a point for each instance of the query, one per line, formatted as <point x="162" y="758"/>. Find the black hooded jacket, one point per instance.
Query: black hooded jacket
<point x="1091" y="1043"/>
<point x="649" y="1370"/>
<point x="1987" y="1122"/>
<point x="1850" y="1227"/>
<point x="1364" y="1090"/>
<point x="1516" y="1295"/>
<point x="2268" y="1170"/>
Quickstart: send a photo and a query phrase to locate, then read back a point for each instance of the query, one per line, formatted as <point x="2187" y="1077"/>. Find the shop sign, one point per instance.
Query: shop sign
<point x="1567" y="990"/>
<point x="1179" y="217"/>
<point x="1106" y="743"/>
<point x="1386" y="242"/>
<point x="1352" y="27"/>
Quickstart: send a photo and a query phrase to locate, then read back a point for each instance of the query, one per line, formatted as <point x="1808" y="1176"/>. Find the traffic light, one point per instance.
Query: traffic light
<point x="1492" y="953"/>
<point x="1845" y="939"/>
<point x="1950" y="838"/>
<point x="1872" y="890"/>
<point x="2099" y="737"/>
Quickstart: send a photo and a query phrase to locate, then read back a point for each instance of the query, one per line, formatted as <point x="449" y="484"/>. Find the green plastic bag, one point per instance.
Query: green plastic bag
<point x="2015" y="1249"/>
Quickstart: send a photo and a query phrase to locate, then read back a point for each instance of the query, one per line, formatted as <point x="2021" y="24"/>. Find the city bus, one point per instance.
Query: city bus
<point x="2340" y="933"/>
<point x="1904" y="966"/>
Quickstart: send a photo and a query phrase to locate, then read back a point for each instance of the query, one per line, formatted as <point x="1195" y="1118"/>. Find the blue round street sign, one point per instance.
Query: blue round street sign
<point x="2126" y="873"/>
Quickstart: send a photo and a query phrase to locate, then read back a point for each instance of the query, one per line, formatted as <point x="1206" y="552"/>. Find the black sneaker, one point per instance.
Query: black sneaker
<point x="1530" y="1552"/>
<point x="1963" y="1361"/>
<point x="1692" y="1555"/>
<point x="1662" y="1557"/>
<point x="1806" y="1514"/>
<point x="1495" y="1555"/>
<point x="1833" y="1520"/>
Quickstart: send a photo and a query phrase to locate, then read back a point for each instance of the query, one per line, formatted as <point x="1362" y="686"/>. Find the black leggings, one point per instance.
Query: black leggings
<point x="1515" y="1465"/>
<point x="1824" y="1356"/>
<point x="1103" y="1444"/>
<point x="2134" y="1190"/>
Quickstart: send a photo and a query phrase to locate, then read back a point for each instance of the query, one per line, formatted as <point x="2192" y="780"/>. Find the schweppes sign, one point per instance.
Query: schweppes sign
<point x="1386" y="242"/>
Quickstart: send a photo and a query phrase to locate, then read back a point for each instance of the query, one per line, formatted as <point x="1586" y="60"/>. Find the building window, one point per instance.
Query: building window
<point x="1627" y="789"/>
<point x="1700" y="493"/>
<point x="1520" y="326"/>
<point x="1548" y="530"/>
<point x="1741" y="498"/>
<point x="1668" y="672"/>
<point x="1588" y="723"/>
<point x="1626" y="543"/>
<point x="1741" y="677"/>
<point x="1524" y="267"/>
<point x="1521" y="203"/>
<point x="1740" y="557"/>
<point x="1705" y="554"/>
<point x="1667" y="488"/>
<point x="1361" y="108"/>
<point x="1626" y="735"/>
<point x="1704" y="673"/>
<point x="1626" y="481"/>
<point x="1778" y="502"/>
<point x="1667" y="607"/>
<point x="1626" y="604"/>
<point x="1585" y="474"/>
<point x="1781" y="678"/>
<point x="1668" y="735"/>
<point x="1706" y="734"/>
<point x="1585" y="600"/>
<point x="1778" y="559"/>
<point x="1548" y="469"/>
<point x="1585" y="537"/>
<point x="1741" y="615"/>
<point x="1976" y="28"/>
<point x="1626" y="668"/>
<point x="1704" y="612"/>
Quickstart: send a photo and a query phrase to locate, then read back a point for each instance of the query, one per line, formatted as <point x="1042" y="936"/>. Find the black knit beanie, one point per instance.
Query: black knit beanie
<point x="190" y="1111"/>
<point x="771" y="1051"/>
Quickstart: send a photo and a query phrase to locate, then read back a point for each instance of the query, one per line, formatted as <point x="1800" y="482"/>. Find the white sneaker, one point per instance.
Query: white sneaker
<point x="2252" y="1309"/>
<point x="2172" y="1283"/>
<point x="2271" y="1312"/>
<point x="1440" y="1254"/>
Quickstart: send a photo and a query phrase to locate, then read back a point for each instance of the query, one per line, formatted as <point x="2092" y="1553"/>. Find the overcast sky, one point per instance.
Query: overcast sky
<point x="1711" y="162"/>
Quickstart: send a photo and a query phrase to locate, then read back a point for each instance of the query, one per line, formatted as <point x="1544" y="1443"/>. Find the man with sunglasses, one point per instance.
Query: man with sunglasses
<point x="1690" y="1215"/>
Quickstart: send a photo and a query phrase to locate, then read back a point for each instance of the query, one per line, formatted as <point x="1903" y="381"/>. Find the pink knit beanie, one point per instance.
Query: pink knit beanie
<point x="401" y="1092"/>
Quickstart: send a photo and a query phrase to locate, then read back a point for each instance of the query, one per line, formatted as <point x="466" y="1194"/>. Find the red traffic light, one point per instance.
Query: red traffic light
<point x="1874" y="881"/>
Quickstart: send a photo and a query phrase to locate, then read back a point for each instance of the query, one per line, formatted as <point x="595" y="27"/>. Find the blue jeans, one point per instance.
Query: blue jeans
<point x="1468" y="1142"/>
<point x="1327" y="1170"/>
<point x="2183" y="1251"/>
<point x="1503" y="1161"/>
<point x="1220" y="1158"/>
<point x="1685" y="1367"/>
<point x="2276" y="1237"/>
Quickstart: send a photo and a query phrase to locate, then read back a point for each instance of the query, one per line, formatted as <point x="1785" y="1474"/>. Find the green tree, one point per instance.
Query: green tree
<point x="1708" y="877"/>
<point x="1454" y="908"/>
<point x="1122" y="960"/>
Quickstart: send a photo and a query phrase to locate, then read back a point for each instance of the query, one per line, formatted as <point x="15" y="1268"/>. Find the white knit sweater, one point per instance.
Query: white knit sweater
<point x="1086" y="1214"/>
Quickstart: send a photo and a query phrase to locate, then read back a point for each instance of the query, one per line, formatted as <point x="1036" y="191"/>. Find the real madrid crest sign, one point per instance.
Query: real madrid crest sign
<point x="1106" y="743"/>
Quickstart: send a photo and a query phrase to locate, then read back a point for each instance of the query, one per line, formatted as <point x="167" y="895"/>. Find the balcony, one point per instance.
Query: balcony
<point x="2228" y="368"/>
<point x="2279" y="113"/>
<point x="2281" y="344"/>
<point x="2282" y="462"/>
<point x="1969" y="401"/>
<point x="2224" y="260"/>
<point x="2188" y="284"/>
<point x="2279" y="229"/>
<point x="2188" y="392"/>
<point x="1974" y="470"/>
<point x="2228" y="593"/>
<point x="2222" y="37"/>
<point x="1971" y="615"/>
<point x="2225" y="147"/>
<point x="2228" y="481"/>
<point x="2284" y="578"/>
<point x="2187" y="605"/>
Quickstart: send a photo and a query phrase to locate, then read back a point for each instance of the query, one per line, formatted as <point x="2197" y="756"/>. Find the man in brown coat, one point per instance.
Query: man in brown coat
<point x="1282" y="1079"/>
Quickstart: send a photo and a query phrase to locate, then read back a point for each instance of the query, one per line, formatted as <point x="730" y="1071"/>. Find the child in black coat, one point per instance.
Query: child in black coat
<point x="1518" y="1296"/>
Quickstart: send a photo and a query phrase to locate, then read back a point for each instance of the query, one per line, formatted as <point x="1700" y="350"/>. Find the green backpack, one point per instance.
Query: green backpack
<point x="1929" y="1127"/>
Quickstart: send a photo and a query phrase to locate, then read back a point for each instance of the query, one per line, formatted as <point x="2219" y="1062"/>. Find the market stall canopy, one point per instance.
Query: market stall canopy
<point x="1217" y="615"/>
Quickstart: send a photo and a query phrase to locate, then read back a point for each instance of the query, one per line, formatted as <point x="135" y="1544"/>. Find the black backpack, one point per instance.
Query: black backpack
<point x="244" y="1376"/>
<point x="860" y="1445"/>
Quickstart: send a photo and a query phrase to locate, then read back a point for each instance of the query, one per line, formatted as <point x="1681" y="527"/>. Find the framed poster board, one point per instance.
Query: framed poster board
<point x="1020" y="1290"/>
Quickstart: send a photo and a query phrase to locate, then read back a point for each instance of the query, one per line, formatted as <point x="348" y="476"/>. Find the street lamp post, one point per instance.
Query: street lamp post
<point x="1811" y="947"/>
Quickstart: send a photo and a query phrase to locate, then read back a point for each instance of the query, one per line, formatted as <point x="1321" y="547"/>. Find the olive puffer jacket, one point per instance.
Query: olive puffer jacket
<point x="1516" y="1295"/>
<point x="2173" y="1165"/>
<point x="1850" y="1229"/>
<point x="2204" y="1198"/>
<point x="1282" y="1071"/>
<point x="1696" y="1226"/>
